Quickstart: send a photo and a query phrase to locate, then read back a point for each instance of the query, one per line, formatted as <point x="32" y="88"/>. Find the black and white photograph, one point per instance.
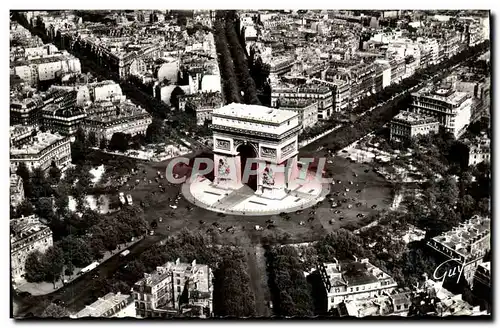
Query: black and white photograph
<point x="220" y="164"/>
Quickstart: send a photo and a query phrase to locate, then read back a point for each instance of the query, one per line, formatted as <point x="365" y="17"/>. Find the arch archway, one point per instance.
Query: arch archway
<point x="246" y="151"/>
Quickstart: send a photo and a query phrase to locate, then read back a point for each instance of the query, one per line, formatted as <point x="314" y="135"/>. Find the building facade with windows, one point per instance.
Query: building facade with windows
<point x="175" y="288"/>
<point x="63" y="115"/>
<point x="451" y="108"/>
<point x="105" y="119"/>
<point x="202" y="104"/>
<point x="105" y="307"/>
<point x="407" y="125"/>
<point x="44" y="149"/>
<point x="307" y="109"/>
<point x="45" y="68"/>
<point x="320" y="93"/>
<point x="353" y="280"/>
<point x="16" y="190"/>
<point x="466" y="244"/>
<point x="27" y="235"/>
<point x="21" y="134"/>
<point x="479" y="150"/>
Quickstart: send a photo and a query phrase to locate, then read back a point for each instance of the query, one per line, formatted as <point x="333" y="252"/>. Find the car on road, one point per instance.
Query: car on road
<point x="121" y="195"/>
<point x="337" y="212"/>
<point x="360" y="215"/>
<point x="374" y="207"/>
<point x="202" y="222"/>
<point x="366" y="171"/>
<point x="299" y="212"/>
<point x="349" y="206"/>
<point x="129" y="199"/>
<point x="341" y="218"/>
<point x="358" y="191"/>
<point x="270" y="221"/>
<point x="332" y="221"/>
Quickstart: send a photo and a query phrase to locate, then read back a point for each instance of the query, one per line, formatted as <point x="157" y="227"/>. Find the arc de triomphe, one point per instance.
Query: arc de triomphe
<point x="268" y="135"/>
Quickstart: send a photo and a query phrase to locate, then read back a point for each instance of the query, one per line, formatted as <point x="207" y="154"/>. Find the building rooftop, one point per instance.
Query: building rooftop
<point x="103" y="305"/>
<point x="444" y="94"/>
<point x="203" y="100"/>
<point x="354" y="273"/>
<point x="295" y="103"/>
<point x="460" y="238"/>
<point x="198" y="273"/>
<point x="255" y="112"/>
<point x="486" y="265"/>
<point x="23" y="227"/>
<point x="413" y="118"/>
<point x="19" y="130"/>
<point x="39" y="142"/>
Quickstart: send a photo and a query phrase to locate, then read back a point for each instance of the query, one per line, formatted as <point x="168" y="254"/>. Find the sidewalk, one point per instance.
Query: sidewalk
<point x="43" y="288"/>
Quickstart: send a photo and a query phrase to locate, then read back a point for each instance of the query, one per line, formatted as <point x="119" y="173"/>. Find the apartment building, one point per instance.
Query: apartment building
<point x="342" y="90"/>
<point x="175" y="288"/>
<point x="16" y="190"/>
<point x="44" y="148"/>
<point x="105" y="91"/>
<point x="320" y="93"/>
<point x="27" y="234"/>
<point x="453" y="109"/>
<point x="397" y="302"/>
<point x="353" y="280"/>
<point x="479" y="150"/>
<point x="361" y="79"/>
<point x="281" y="65"/>
<point x="63" y="115"/>
<point x="407" y="125"/>
<point x="108" y="306"/>
<point x="28" y="110"/>
<point x="202" y="104"/>
<point x="307" y="109"/>
<point x="21" y="134"/>
<point x="483" y="274"/>
<point x="105" y="119"/>
<point x="45" y="68"/>
<point x="466" y="244"/>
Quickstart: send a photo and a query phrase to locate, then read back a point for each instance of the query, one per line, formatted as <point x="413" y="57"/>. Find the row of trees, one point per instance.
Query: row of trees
<point x="87" y="240"/>
<point x="227" y="69"/>
<point x="291" y="292"/>
<point x="233" y="295"/>
<point x="245" y="80"/>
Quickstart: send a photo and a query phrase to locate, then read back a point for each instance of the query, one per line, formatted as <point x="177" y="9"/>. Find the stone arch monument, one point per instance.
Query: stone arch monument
<point x="268" y="136"/>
